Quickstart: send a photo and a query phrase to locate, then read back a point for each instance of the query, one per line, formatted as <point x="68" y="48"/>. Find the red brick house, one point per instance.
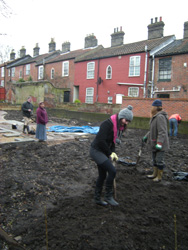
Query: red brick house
<point x="171" y="69"/>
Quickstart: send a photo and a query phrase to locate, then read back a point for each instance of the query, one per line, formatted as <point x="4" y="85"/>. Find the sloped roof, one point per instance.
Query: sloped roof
<point x="177" y="47"/>
<point x="124" y="49"/>
<point x="18" y="61"/>
<point x="68" y="55"/>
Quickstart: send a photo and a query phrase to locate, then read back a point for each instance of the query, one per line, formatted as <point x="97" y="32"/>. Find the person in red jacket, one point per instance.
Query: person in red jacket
<point x="42" y="119"/>
<point x="174" y="120"/>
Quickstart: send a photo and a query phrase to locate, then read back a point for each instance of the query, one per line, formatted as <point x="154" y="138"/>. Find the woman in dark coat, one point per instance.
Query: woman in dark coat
<point x="42" y="119"/>
<point x="102" y="151"/>
<point x="157" y="138"/>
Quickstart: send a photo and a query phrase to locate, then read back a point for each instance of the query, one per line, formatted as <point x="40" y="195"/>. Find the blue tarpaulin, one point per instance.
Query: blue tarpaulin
<point x="83" y="129"/>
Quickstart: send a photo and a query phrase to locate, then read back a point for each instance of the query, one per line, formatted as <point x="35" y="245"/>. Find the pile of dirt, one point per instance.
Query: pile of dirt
<point x="46" y="197"/>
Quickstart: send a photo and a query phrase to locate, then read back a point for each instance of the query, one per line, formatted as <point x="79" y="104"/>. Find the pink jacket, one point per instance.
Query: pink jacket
<point x="175" y="116"/>
<point x="42" y="117"/>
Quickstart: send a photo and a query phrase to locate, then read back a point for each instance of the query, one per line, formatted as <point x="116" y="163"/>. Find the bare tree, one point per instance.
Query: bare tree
<point x="5" y="10"/>
<point x="5" y="53"/>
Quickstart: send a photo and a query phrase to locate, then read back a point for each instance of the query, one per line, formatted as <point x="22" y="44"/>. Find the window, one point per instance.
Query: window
<point x="89" y="95"/>
<point x="13" y="72"/>
<point x="2" y="72"/>
<point x="2" y="83"/>
<point x="133" y="91"/>
<point x="110" y="99"/>
<point x="9" y="72"/>
<point x="40" y="72"/>
<point x="134" y="66"/>
<point x="90" y="70"/>
<point x="65" y="68"/>
<point x="52" y="73"/>
<point x="20" y="74"/>
<point x="109" y="72"/>
<point x="27" y="69"/>
<point x="165" y="69"/>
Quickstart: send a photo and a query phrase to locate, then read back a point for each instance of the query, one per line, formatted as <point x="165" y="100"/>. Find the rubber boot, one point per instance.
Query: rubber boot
<point x="24" y="127"/>
<point x="97" y="198"/>
<point x="27" y="129"/>
<point x="155" y="172"/>
<point x="159" y="176"/>
<point x="109" y="197"/>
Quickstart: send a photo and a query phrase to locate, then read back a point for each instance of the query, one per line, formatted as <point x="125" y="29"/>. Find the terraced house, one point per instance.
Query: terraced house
<point x="155" y="67"/>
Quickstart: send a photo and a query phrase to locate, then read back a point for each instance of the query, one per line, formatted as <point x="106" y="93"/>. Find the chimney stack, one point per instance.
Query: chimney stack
<point x="117" y="38"/>
<point x="90" y="41"/>
<point x="155" y="30"/>
<point x="22" y="52"/>
<point x="52" y="45"/>
<point x="185" y="35"/>
<point x="36" y="50"/>
<point x="66" y="47"/>
<point x="12" y="55"/>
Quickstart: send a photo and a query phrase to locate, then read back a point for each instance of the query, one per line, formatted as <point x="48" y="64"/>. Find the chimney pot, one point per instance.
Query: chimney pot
<point x="160" y="18"/>
<point x="151" y="20"/>
<point x="156" y="19"/>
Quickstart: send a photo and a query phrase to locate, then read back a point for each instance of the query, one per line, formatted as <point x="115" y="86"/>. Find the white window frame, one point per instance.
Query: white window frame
<point x="89" y="95"/>
<point x="2" y="83"/>
<point x="52" y="73"/>
<point x="134" y="65"/>
<point x="133" y="91"/>
<point x="3" y="72"/>
<point x="27" y="70"/>
<point x="20" y="73"/>
<point x="90" y="70"/>
<point x="9" y="72"/>
<point x="110" y="99"/>
<point x="40" y="72"/>
<point x="109" y="74"/>
<point x="13" y="72"/>
<point x="65" y="68"/>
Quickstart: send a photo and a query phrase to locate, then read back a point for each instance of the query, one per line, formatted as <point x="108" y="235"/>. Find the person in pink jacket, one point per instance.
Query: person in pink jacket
<point x="42" y="119"/>
<point x="174" y="120"/>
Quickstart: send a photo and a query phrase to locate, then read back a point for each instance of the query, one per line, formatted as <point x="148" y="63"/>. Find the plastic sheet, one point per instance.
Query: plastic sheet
<point x="180" y="176"/>
<point x="126" y="161"/>
<point x="77" y="129"/>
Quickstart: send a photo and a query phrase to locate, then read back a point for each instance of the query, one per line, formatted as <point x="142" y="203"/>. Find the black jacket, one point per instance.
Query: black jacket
<point x="25" y="107"/>
<point x="104" y="138"/>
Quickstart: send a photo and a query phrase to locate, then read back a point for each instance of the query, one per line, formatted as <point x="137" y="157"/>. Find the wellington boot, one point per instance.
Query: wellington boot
<point x="159" y="176"/>
<point x="155" y="172"/>
<point x="97" y="197"/>
<point x="109" y="197"/>
<point x="24" y="128"/>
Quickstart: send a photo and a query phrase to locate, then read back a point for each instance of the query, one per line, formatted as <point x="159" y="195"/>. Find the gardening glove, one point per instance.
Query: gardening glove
<point x="144" y="139"/>
<point x="158" y="146"/>
<point x="114" y="156"/>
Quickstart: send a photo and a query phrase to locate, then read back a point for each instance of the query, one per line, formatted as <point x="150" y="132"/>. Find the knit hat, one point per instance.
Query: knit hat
<point x="126" y="113"/>
<point x="157" y="103"/>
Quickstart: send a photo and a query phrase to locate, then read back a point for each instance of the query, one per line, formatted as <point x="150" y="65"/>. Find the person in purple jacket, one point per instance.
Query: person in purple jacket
<point x="42" y="119"/>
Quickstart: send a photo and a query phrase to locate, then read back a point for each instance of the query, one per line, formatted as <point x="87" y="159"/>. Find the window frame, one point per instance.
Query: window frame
<point x="13" y="72"/>
<point x="3" y="72"/>
<point x="65" y="71"/>
<point x="40" y="74"/>
<point x="109" y="75"/>
<point x="131" y="88"/>
<point x="88" y="95"/>
<point x="134" y="66"/>
<point x="165" y="71"/>
<point x="52" y="73"/>
<point x="27" y="69"/>
<point x="20" y="73"/>
<point x="2" y="83"/>
<point x="110" y="100"/>
<point x="90" y="71"/>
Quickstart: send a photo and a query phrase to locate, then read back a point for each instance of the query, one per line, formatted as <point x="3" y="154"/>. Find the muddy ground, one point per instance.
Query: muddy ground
<point x="46" y="197"/>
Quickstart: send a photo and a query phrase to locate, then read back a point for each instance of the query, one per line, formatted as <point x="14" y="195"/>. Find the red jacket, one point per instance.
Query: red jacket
<point x="175" y="116"/>
<point x="42" y="117"/>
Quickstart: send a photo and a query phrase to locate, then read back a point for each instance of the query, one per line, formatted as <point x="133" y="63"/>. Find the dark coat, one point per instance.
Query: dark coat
<point x="25" y="107"/>
<point x="104" y="139"/>
<point x="42" y="117"/>
<point x="158" y="131"/>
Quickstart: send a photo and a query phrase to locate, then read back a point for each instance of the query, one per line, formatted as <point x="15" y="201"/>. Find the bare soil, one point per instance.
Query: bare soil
<point x="46" y="197"/>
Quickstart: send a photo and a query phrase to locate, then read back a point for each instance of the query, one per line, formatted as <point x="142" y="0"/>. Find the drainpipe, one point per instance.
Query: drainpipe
<point x="97" y="81"/>
<point x="153" y="70"/>
<point x="145" y="72"/>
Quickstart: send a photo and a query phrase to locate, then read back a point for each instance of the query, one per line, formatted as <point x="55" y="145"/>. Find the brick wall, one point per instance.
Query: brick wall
<point x="142" y="107"/>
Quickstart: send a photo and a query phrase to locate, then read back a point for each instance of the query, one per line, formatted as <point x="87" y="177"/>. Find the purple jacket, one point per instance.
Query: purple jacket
<point x="42" y="117"/>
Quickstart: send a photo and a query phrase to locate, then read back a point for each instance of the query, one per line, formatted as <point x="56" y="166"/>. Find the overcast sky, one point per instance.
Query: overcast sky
<point x="37" y="21"/>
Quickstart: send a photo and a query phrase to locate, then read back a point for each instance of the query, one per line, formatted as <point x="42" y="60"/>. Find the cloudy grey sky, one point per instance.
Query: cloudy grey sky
<point x="37" y="21"/>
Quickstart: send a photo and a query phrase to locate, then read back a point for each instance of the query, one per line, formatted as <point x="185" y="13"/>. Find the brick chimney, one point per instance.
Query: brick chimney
<point x="117" y="38"/>
<point x="22" y="52"/>
<point x="185" y="35"/>
<point x="66" y="47"/>
<point x="155" y="29"/>
<point x="12" y="55"/>
<point x="36" y="50"/>
<point x="52" y="45"/>
<point x="90" y="41"/>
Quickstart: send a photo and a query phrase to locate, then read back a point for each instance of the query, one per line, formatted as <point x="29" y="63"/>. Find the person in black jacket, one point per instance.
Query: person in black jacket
<point x="27" y="110"/>
<point x="102" y="151"/>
